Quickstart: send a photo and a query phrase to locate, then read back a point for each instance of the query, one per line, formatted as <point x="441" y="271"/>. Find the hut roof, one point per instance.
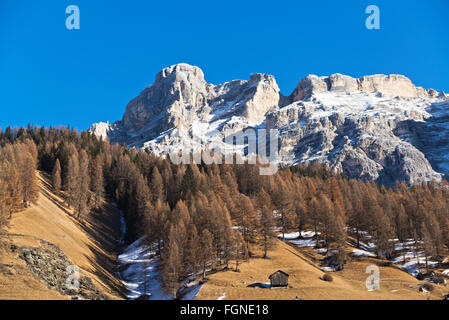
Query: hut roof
<point x="280" y="271"/>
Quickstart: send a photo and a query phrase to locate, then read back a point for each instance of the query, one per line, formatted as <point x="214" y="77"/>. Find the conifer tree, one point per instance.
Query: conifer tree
<point x="73" y="179"/>
<point x="239" y="251"/>
<point x="4" y="210"/>
<point x="157" y="186"/>
<point x="192" y="250"/>
<point x="267" y="222"/>
<point x="247" y="220"/>
<point x="206" y="255"/>
<point x="97" y="183"/>
<point x="172" y="262"/>
<point x="188" y="185"/>
<point x="56" y="177"/>
<point x="30" y="191"/>
<point x="83" y="185"/>
<point x="14" y="197"/>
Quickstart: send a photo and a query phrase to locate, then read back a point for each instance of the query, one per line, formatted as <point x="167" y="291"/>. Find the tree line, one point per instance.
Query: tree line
<point x="202" y="217"/>
<point x="18" y="181"/>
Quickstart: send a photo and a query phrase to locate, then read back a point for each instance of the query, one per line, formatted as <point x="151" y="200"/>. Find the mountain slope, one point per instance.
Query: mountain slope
<point x="305" y="280"/>
<point x="42" y="240"/>
<point x="379" y="127"/>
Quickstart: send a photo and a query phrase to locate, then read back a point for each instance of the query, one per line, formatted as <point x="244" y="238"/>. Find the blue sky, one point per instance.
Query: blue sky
<point x="50" y="75"/>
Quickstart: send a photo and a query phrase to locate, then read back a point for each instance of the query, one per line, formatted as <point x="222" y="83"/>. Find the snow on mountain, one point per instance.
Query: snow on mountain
<point x="379" y="127"/>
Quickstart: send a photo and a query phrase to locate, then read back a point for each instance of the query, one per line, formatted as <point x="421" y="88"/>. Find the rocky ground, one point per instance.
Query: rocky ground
<point x="49" y="264"/>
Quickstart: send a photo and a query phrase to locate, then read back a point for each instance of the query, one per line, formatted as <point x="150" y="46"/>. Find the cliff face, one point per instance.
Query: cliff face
<point x="389" y="85"/>
<point x="379" y="127"/>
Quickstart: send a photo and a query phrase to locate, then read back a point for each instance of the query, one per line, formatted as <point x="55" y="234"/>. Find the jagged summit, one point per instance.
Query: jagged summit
<point x="379" y="127"/>
<point x="180" y="69"/>
<point x="389" y="85"/>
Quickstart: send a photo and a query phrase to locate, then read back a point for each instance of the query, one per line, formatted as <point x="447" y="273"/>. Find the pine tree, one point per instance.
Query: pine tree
<point x="73" y="180"/>
<point x="284" y="203"/>
<point x="172" y="262"/>
<point x="239" y="251"/>
<point x="267" y="222"/>
<point x="429" y="249"/>
<point x="224" y="234"/>
<point x="188" y="185"/>
<point x="192" y="250"/>
<point x="158" y="221"/>
<point x="30" y="191"/>
<point x="382" y="232"/>
<point x="156" y="185"/>
<point x="14" y="191"/>
<point x="83" y="186"/>
<point x="356" y="216"/>
<point x="325" y="213"/>
<point x="247" y="220"/>
<point x="97" y="183"/>
<point x="206" y="256"/>
<point x="4" y="210"/>
<point x="56" y="177"/>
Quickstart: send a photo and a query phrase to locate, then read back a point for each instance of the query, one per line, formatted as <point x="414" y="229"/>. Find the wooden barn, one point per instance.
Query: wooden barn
<point x="279" y="279"/>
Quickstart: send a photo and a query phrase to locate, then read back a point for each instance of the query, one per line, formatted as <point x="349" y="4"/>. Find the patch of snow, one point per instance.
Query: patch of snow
<point x="328" y="269"/>
<point x="194" y="289"/>
<point x="222" y="296"/>
<point x="140" y="272"/>
<point x="362" y="253"/>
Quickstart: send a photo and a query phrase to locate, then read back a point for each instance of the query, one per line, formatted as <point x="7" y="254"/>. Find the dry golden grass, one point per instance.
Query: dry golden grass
<point x="88" y="244"/>
<point x="305" y="282"/>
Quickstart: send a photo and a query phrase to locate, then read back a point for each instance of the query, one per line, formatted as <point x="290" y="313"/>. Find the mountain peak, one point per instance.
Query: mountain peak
<point x="379" y="127"/>
<point x="182" y="70"/>
<point x="394" y="85"/>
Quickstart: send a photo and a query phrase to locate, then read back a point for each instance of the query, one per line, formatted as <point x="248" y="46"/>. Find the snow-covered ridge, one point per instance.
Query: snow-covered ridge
<point x="379" y="127"/>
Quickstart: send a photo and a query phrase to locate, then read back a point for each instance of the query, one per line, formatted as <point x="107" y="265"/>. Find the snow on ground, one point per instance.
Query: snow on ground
<point x="368" y="247"/>
<point x="306" y="240"/>
<point x="140" y="272"/>
<point x="362" y="253"/>
<point x="414" y="263"/>
<point x="408" y="259"/>
<point x="192" y="291"/>
<point x="328" y="269"/>
<point x="411" y="266"/>
<point x="222" y="296"/>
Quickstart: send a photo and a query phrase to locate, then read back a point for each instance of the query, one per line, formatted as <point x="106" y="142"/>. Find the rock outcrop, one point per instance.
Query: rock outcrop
<point x="379" y="127"/>
<point x="48" y="264"/>
<point x="389" y="85"/>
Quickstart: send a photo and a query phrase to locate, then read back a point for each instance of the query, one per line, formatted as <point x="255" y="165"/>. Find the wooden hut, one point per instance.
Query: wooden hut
<point x="279" y="279"/>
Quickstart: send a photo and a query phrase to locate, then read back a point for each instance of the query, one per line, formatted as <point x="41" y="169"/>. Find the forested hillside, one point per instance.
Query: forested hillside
<point x="199" y="217"/>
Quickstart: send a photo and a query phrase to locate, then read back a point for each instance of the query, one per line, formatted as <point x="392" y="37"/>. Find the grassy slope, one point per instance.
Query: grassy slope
<point x="305" y="280"/>
<point x="89" y="245"/>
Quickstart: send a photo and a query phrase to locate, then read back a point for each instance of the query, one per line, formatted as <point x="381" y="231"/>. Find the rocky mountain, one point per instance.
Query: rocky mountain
<point x="379" y="127"/>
